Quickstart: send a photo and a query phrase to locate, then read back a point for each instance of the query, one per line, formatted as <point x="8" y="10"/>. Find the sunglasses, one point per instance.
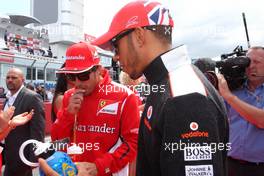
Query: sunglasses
<point x="123" y="34"/>
<point x="117" y="38"/>
<point x="84" y="76"/>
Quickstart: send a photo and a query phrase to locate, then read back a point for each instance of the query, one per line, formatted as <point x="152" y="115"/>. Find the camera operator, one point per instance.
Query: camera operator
<point x="246" y="116"/>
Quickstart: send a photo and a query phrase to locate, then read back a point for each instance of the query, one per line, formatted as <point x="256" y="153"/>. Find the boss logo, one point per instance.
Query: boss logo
<point x="197" y="153"/>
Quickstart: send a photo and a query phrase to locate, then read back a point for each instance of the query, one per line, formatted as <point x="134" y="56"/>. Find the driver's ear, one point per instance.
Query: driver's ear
<point x="139" y="34"/>
<point x="99" y="69"/>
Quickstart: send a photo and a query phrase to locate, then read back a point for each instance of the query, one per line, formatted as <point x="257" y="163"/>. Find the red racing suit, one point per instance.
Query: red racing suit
<point x="107" y="126"/>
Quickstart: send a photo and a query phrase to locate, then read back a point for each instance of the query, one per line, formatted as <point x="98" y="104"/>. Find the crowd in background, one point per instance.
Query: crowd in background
<point x="46" y="93"/>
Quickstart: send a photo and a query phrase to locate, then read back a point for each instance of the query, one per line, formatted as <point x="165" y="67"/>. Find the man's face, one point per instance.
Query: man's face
<point x="92" y="79"/>
<point x="14" y="80"/>
<point x="127" y="56"/>
<point x="255" y="71"/>
<point x="2" y="90"/>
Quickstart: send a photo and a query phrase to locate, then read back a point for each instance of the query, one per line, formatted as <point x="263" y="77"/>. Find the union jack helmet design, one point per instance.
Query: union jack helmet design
<point x="135" y="14"/>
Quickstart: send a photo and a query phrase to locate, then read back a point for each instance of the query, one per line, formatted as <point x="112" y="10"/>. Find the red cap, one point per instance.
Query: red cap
<point x="80" y="57"/>
<point x="135" y="14"/>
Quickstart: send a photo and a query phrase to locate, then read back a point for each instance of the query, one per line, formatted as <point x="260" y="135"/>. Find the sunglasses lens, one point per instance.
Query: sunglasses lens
<point x="84" y="76"/>
<point x="71" y="77"/>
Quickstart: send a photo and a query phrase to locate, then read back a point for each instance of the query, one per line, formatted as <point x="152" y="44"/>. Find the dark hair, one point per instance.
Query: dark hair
<point x="162" y="32"/>
<point x="30" y="86"/>
<point x="61" y="87"/>
<point x="205" y="64"/>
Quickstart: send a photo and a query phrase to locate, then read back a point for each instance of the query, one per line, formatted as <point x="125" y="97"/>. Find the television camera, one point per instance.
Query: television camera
<point x="232" y="66"/>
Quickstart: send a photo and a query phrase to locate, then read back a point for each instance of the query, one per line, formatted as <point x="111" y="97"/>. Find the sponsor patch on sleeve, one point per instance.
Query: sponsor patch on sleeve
<point x="198" y="153"/>
<point x="199" y="170"/>
<point x="107" y="107"/>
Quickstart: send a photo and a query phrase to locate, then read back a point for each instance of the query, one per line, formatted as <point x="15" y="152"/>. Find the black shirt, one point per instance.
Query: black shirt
<point x="183" y="129"/>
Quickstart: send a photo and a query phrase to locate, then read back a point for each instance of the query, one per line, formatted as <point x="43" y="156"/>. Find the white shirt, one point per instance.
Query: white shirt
<point x="11" y="98"/>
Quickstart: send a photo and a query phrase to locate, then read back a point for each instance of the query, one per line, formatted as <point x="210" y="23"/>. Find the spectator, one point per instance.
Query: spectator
<point x="246" y="116"/>
<point x="62" y="85"/>
<point x="97" y="113"/>
<point x="207" y="67"/>
<point x="205" y="64"/>
<point x="50" y="94"/>
<point x="125" y="79"/>
<point x="135" y="86"/>
<point x="5" y="37"/>
<point x="2" y="92"/>
<point x="17" y="44"/>
<point x="42" y="52"/>
<point x="181" y="102"/>
<point x="50" y="54"/>
<point x="131" y="84"/>
<point x="143" y="89"/>
<point x="6" y="125"/>
<point x="40" y="89"/>
<point x="30" y="86"/>
<point x="30" y="51"/>
<point x="24" y="100"/>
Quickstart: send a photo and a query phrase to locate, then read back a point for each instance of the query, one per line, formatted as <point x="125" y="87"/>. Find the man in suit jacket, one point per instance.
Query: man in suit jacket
<point x="24" y="100"/>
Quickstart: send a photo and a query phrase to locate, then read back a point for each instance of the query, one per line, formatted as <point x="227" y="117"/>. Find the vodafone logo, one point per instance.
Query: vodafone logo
<point x="195" y="133"/>
<point x="194" y="126"/>
<point x="149" y="112"/>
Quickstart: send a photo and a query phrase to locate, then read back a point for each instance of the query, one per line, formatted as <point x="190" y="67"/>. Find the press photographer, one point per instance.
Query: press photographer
<point x="245" y="107"/>
<point x="232" y="66"/>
